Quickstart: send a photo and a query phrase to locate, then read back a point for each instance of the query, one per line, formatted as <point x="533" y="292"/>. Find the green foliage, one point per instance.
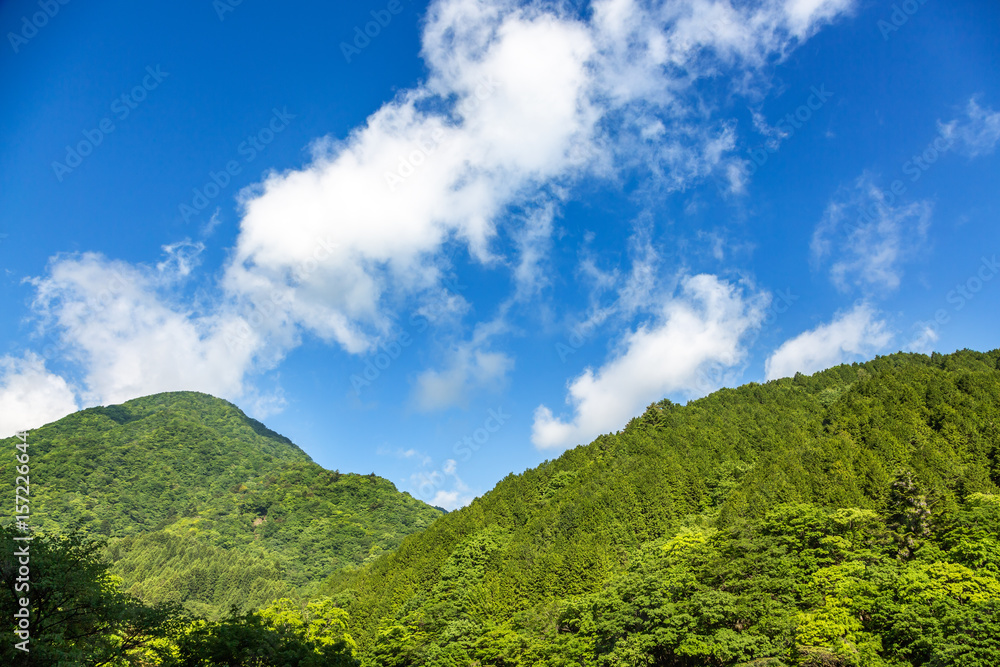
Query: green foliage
<point x="204" y="506"/>
<point x="189" y="570"/>
<point x="131" y="468"/>
<point x="802" y="585"/>
<point x="846" y="518"/>
<point x="283" y="633"/>
<point x="77" y="614"/>
<point x="909" y="515"/>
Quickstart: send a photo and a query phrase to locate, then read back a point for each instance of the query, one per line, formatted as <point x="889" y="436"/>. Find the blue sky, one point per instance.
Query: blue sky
<point x="485" y="231"/>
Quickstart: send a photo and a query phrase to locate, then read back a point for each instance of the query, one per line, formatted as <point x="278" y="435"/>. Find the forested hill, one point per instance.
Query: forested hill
<point x="850" y="518"/>
<point x="125" y="469"/>
<point x="847" y="518"/>
<point x="204" y="505"/>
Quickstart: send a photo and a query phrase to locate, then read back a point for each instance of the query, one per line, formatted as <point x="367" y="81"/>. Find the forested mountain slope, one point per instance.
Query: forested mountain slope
<point x="204" y="505"/>
<point x="847" y="518"/>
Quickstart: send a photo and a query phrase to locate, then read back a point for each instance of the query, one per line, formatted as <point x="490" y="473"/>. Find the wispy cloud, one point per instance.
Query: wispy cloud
<point x="449" y="491"/>
<point x="180" y="259"/>
<point x="468" y="369"/>
<point x="618" y="296"/>
<point x="868" y="239"/>
<point x="975" y="134"/>
<point x="923" y="341"/>
<point x="405" y="454"/>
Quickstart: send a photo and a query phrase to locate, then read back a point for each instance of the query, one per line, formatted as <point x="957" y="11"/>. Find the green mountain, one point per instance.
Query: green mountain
<point x="847" y="518"/>
<point x="205" y="506"/>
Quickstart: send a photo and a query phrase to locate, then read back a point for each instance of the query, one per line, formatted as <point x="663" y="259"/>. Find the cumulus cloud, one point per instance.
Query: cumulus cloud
<point x="868" y="238"/>
<point x="119" y="323"/>
<point x="975" y="134"/>
<point x="386" y="201"/>
<point x="703" y="326"/>
<point x="31" y="396"/>
<point x="853" y="334"/>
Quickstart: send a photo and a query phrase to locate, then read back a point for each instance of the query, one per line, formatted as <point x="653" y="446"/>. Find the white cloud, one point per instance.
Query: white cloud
<point x="869" y="239"/>
<point x="856" y="333"/>
<point x="774" y="134"/>
<point x="642" y="290"/>
<point x="407" y="454"/>
<point x="975" y="135"/>
<point x="30" y="395"/>
<point x="805" y="15"/>
<point x="703" y="326"/>
<point x="119" y="323"/>
<point x="521" y="120"/>
<point x="641" y="41"/>
<point x="209" y="228"/>
<point x="451" y="500"/>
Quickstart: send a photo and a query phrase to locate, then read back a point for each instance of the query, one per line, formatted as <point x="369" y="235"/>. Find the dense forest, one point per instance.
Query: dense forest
<point x="849" y="518"/>
<point x="205" y="507"/>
